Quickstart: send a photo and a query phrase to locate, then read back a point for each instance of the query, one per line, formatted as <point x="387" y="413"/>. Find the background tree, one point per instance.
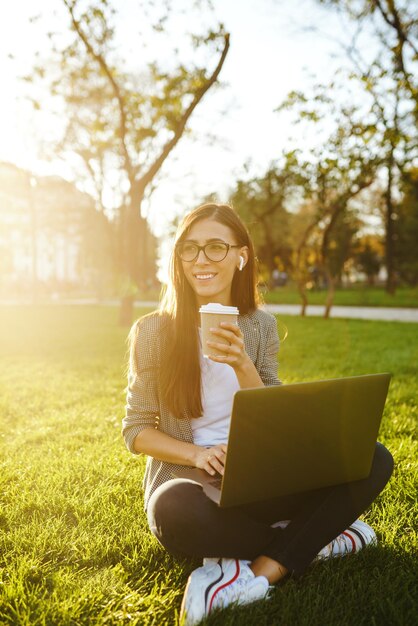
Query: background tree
<point x="407" y="228"/>
<point x="368" y="256"/>
<point x="263" y="204"/>
<point x="389" y="79"/>
<point x="341" y="244"/>
<point x="394" y="24"/>
<point x="125" y="121"/>
<point x="304" y="234"/>
<point x="336" y="172"/>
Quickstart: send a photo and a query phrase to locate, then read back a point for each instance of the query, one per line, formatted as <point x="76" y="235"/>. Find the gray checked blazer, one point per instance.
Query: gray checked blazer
<point x="144" y="405"/>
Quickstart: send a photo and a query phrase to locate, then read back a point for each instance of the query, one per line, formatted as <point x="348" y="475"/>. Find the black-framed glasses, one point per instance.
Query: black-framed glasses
<point x="213" y="251"/>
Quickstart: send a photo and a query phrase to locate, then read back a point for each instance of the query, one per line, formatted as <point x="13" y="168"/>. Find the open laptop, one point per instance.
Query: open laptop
<point x="292" y="438"/>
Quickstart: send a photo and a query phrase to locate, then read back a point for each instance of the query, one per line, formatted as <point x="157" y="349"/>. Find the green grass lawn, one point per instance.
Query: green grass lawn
<point x="357" y="295"/>
<point x="74" y="544"/>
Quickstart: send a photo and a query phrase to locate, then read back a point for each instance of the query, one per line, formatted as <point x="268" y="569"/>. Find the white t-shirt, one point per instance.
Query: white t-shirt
<point x="219" y="383"/>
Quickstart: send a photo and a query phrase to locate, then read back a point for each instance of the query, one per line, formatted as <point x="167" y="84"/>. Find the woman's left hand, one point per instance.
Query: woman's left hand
<point x="234" y="352"/>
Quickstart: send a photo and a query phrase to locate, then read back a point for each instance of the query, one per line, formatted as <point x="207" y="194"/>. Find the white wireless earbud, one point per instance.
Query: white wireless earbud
<point x="241" y="263"/>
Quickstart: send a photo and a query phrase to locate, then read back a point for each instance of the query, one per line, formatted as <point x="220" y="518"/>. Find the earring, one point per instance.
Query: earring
<point x="241" y="263"/>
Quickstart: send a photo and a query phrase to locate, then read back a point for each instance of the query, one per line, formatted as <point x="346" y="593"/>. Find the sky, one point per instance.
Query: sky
<point x="273" y="51"/>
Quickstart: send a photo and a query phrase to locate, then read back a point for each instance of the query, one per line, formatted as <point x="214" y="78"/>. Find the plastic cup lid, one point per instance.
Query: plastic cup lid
<point x="215" y="307"/>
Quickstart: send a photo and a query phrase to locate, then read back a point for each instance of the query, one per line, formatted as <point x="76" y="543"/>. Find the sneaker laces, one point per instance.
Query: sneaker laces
<point x="357" y="536"/>
<point x="240" y="590"/>
<point x="343" y="544"/>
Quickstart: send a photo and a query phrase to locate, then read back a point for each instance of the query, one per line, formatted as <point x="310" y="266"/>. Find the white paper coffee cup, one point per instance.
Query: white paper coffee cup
<point x="211" y="315"/>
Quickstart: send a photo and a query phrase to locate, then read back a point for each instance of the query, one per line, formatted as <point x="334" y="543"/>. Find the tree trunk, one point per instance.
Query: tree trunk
<point x="268" y="253"/>
<point x="390" y="228"/>
<point x="126" y="311"/>
<point x="31" y="182"/>
<point x="133" y="251"/>
<point x="300" y="278"/>
<point x="331" y="280"/>
<point x="330" y="293"/>
<point x="302" y="293"/>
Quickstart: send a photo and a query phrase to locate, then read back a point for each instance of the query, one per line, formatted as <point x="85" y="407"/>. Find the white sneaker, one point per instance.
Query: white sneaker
<point x="218" y="584"/>
<point x="214" y="559"/>
<point x="357" y="536"/>
<point x="282" y="524"/>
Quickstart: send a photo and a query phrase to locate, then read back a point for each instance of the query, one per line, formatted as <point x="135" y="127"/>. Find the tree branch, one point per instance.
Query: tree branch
<point x="154" y="167"/>
<point x="396" y="24"/>
<point x="115" y="87"/>
<point x="361" y="182"/>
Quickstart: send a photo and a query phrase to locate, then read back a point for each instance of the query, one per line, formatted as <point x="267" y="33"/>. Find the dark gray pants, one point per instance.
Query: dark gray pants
<point x="187" y="523"/>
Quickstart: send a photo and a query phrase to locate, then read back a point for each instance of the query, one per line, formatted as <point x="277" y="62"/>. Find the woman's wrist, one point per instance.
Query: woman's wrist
<point x="194" y="452"/>
<point x="245" y="366"/>
<point x="247" y="375"/>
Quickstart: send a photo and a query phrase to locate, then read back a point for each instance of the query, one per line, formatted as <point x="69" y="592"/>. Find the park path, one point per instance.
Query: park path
<point x="389" y="314"/>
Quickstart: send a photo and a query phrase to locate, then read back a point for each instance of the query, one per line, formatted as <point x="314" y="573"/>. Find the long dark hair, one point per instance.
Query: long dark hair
<point x="180" y="375"/>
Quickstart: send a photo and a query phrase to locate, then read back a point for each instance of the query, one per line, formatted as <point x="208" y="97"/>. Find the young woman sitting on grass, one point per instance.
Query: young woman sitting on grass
<point x="178" y="411"/>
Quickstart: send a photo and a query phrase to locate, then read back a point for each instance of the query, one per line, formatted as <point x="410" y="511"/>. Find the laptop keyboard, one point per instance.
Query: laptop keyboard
<point x="216" y="482"/>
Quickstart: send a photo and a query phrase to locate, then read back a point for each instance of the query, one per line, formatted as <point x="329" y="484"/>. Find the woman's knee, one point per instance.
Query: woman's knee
<point x="171" y="507"/>
<point x="383" y="463"/>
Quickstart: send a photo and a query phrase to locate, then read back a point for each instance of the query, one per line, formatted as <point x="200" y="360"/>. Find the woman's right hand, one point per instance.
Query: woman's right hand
<point x="211" y="459"/>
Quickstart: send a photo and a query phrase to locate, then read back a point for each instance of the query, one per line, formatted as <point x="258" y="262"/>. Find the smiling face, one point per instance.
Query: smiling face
<point x="211" y="281"/>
